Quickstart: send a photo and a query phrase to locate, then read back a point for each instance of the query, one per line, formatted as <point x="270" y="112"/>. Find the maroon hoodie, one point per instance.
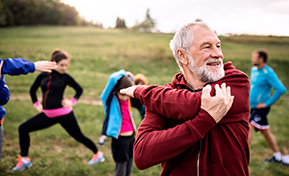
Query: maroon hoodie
<point x="184" y="138"/>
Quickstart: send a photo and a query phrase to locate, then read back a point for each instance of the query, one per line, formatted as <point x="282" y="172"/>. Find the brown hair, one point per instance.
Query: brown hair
<point x="124" y="82"/>
<point x="262" y="54"/>
<point x="140" y="78"/>
<point x="57" y="55"/>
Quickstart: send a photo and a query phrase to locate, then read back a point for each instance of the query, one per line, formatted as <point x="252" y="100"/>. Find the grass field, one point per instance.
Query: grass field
<point x="97" y="53"/>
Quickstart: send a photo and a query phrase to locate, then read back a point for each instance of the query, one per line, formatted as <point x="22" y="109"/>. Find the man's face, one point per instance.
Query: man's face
<point x="206" y="59"/>
<point x="255" y="59"/>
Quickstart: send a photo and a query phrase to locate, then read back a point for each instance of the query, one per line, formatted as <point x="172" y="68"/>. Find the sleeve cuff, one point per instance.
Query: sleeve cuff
<point x="73" y="101"/>
<point x="137" y="92"/>
<point x="36" y="104"/>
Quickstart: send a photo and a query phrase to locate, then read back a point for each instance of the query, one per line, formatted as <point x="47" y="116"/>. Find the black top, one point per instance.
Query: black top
<point x="53" y="86"/>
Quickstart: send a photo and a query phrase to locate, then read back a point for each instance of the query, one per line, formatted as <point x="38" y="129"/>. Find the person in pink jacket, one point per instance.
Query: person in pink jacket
<point x="194" y="126"/>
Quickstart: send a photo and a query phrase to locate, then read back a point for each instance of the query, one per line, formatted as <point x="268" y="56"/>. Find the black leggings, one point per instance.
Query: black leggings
<point x="41" y="121"/>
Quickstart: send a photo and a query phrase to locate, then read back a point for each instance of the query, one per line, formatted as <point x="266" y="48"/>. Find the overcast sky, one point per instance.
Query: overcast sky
<point x="262" y="17"/>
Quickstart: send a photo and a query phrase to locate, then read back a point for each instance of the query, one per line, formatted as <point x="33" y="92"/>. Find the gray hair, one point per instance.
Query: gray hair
<point x="183" y="39"/>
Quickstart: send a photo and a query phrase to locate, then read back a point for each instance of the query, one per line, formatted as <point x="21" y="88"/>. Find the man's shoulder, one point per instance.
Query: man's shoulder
<point x="254" y="68"/>
<point x="231" y="71"/>
<point x="268" y="70"/>
<point x="178" y="82"/>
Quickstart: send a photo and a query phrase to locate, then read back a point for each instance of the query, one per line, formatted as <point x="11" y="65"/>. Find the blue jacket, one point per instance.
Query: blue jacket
<point x="262" y="82"/>
<point x="112" y="108"/>
<point x="15" y="66"/>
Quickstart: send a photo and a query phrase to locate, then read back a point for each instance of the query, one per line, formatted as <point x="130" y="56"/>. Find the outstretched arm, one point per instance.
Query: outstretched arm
<point x="163" y="100"/>
<point x="18" y="66"/>
<point x="183" y="104"/>
<point x="45" y="66"/>
<point x="166" y="101"/>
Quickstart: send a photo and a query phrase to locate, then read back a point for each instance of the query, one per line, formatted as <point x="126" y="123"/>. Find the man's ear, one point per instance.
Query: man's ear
<point x="183" y="58"/>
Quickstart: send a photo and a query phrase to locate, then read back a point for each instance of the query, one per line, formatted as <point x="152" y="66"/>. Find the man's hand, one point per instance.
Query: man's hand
<point x="261" y="105"/>
<point x="129" y="91"/>
<point x="218" y="105"/>
<point x="45" y="66"/>
<point x="1" y="64"/>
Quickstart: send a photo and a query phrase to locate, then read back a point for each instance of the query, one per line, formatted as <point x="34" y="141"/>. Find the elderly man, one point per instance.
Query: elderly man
<point x="188" y="128"/>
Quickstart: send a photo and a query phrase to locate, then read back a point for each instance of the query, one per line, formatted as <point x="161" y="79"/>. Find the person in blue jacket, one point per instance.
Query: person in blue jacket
<point x="263" y="80"/>
<point x="13" y="67"/>
<point x="119" y="123"/>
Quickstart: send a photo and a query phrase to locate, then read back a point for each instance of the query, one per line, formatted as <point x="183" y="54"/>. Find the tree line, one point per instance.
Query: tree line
<point x="38" y="12"/>
<point x="55" y="12"/>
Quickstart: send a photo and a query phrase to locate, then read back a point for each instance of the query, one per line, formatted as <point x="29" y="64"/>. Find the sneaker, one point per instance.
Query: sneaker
<point x="20" y="166"/>
<point x="102" y="140"/>
<point x="98" y="157"/>
<point x="272" y="160"/>
<point x="285" y="160"/>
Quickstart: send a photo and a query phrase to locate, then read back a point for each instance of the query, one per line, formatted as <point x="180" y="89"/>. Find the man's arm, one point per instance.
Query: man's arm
<point x="45" y="66"/>
<point x="183" y="104"/>
<point x="166" y="101"/>
<point x="4" y="91"/>
<point x="18" y="66"/>
<point x="279" y="89"/>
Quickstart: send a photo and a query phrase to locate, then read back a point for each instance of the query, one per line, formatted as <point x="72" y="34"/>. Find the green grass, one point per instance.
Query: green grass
<point x="95" y="54"/>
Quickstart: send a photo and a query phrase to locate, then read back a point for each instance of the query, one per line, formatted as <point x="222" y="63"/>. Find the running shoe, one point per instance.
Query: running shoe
<point x="272" y="160"/>
<point x="21" y="165"/>
<point x="98" y="157"/>
<point x="102" y="140"/>
<point x="285" y="160"/>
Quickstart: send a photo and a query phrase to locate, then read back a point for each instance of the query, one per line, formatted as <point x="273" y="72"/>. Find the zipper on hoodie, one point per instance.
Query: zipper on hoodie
<point x="198" y="161"/>
<point x="46" y="95"/>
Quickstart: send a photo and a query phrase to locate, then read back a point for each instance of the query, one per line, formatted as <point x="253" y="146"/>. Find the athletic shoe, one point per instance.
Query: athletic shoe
<point x="285" y="160"/>
<point x="102" y="140"/>
<point x="98" y="157"/>
<point x="20" y="166"/>
<point x="272" y="160"/>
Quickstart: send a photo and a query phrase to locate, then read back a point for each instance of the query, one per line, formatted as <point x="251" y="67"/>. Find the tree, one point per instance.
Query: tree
<point x="149" y="19"/>
<point x="198" y="20"/>
<point x="34" y="12"/>
<point x="148" y="25"/>
<point x="120" y="23"/>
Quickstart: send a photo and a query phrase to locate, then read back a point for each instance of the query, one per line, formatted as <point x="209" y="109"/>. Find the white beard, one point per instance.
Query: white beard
<point x="203" y="73"/>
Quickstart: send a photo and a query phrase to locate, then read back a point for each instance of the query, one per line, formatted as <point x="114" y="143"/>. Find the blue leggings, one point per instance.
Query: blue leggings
<point x="41" y="121"/>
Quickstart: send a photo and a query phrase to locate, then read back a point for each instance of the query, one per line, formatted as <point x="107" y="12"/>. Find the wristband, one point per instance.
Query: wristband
<point x="73" y="101"/>
<point x="36" y="104"/>
<point x="1" y="121"/>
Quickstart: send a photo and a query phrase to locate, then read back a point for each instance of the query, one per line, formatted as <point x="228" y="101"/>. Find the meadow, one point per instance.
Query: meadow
<point x="95" y="54"/>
